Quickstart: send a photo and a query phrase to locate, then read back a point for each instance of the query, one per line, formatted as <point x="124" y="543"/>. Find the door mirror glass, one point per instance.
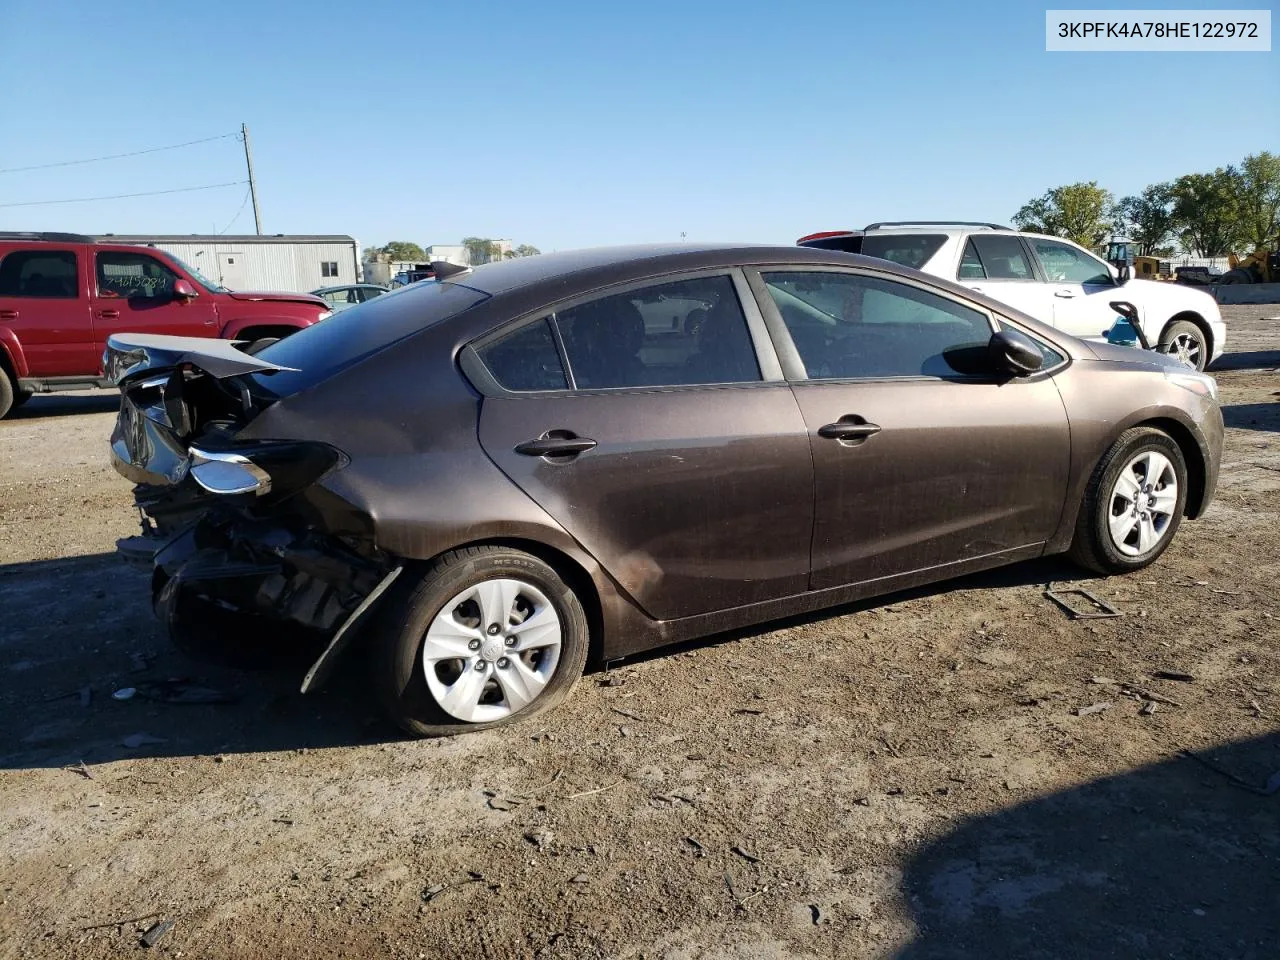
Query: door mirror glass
<point x="1014" y="352"/>
<point x="182" y="290"/>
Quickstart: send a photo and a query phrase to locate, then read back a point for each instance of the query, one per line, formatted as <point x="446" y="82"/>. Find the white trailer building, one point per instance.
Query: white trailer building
<point x="251" y="262"/>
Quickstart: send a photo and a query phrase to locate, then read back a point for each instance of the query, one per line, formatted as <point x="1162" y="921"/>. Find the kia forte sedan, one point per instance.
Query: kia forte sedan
<point x="475" y="484"/>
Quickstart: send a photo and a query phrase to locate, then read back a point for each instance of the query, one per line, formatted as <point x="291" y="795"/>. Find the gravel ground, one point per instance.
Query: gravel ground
<point x="904" y="778"/>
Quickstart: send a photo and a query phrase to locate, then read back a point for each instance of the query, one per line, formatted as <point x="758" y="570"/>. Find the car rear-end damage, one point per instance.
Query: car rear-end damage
<point x="237" y="525"/>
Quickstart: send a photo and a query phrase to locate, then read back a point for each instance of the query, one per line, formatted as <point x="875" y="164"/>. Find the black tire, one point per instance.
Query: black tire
<point x="1092" y="546"/>
<point x="1180" y="332"/>
<point x="404" y="616"/>
<point x="8" y="395"/>
<point x="1238" y="275"/>
<point x="21" y="397"/>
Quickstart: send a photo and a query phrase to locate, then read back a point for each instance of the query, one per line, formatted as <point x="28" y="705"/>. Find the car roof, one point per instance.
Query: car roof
<point x="591" y="267"/>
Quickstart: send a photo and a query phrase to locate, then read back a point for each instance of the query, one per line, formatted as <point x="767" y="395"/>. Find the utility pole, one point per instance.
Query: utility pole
<point x="253" y="186"/>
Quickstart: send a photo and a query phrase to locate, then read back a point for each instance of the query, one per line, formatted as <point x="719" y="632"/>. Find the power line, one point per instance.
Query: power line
<point x="119" y="156"/>
<point x="124" y="196"/>
<point x="237" y="216"/>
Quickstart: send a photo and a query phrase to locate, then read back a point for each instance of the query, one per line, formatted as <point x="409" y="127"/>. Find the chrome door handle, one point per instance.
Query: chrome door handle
<point x="108" y="314"/>
<point x="849" y="430"/>
<point x="555" y="443"/>
<point x="1064" y="294"/>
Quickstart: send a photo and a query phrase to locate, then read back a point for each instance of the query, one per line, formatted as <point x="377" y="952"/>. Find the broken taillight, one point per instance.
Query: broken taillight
<point x="263" y="468"/>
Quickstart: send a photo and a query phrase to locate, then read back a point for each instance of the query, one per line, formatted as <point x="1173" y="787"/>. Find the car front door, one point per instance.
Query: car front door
<point x="922" y="457"/>
<point x="44" y="305"/>
<point x="1082" y="287"/>
<point x="133" y="293"/>
<point x="675" y="455"/>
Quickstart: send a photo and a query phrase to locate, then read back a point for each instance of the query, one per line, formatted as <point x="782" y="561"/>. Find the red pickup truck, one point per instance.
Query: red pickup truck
<point x="62" y="295"/>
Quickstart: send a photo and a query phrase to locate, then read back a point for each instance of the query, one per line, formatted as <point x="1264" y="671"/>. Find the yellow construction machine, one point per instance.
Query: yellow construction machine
<point x="1140" y="266"/>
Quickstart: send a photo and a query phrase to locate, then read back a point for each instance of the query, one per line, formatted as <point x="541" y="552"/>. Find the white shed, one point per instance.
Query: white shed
<point x="252" y="262"/>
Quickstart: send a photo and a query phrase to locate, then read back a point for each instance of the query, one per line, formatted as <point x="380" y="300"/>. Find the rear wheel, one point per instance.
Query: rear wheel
<point x="1134" y="503"/>
<point x="1186" y="342"/>
<point x="8" y="395"/>
<point x="486" y="635"/>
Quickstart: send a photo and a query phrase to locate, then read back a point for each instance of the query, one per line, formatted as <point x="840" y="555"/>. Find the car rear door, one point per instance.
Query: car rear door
<point x="1001" y="266"/>
<point x="921" y="457"/>
<point x="1081" y="286"/>
<point x="133" y="293"/>
<point x="43" y="304"/>
<point x="675" y="454"/>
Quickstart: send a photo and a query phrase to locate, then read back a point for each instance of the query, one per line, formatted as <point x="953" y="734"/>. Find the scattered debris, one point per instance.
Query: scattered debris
<point x="120" y="923"/>
<point x="285" y="820"/>
<point x="609" y="680"/>
<point x="124" y="693"/>
<point x="588" y="793"/>
<point x="180" y="691"/>
<point x="156" y="933"/>
<point x="748" y="710"/>
<point x="1148" y="708"/>
<point x="698" y="848"/>
<point x="1093" y="708"/>
<point x="890" y="747"/>
<point x="626" y="713"/>
<point x="749" y="857"/>
<point x="1103" y="681"/>
<point x="863" y="802"/>
<point x="81" y="769"/>
<point x="1101" y="609"/>
<point x="1272" y="785"/>
<point x="540" y="838"/>
<point x="580" y="878"/>
<point x="504" y="805"/>
<point x="433" y="891"/>
<point x="1130" y="690"/>
<point x="815" y="912"/>
<point x="135" y="740"/>
<point x="1173" y="675"/>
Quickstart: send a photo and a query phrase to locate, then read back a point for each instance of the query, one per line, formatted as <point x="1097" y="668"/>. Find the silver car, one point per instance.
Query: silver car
<point x="340" y="298"/>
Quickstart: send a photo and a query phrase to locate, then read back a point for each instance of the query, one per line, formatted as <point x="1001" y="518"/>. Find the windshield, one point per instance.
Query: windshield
<point x="344" y="339"/>
<point x="909" y="249"/>
<point x="199" y="277"/>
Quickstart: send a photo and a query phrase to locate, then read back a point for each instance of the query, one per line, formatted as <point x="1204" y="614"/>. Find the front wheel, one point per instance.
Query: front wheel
<point x="1133" y="504"/>
<point x="1187" y="343"/>
<point x="486" y="636"/>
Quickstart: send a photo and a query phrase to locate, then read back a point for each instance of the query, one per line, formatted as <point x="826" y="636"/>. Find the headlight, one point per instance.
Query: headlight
<point x="1200" y="383"/>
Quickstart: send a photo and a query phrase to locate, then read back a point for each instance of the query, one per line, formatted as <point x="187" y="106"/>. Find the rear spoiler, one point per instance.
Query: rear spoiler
<point x="129" y="355"/>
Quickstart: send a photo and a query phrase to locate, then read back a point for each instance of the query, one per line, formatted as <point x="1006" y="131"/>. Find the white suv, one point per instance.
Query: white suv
<point x="1048" y="278"/>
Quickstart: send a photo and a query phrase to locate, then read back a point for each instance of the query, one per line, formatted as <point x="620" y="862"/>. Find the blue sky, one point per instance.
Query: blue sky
<point x="567" y="124"/>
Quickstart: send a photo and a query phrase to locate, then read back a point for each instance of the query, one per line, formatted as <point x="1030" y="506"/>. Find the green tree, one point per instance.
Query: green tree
<point x="404" y="250"/>
<point x="1147" y="218"/>
<point x="1078" y="211"/>
<point x="1259" y="199"/>
<point x="480" y="250"/>
<point x="526" y="250"/>
<point x="1206" y="211"/>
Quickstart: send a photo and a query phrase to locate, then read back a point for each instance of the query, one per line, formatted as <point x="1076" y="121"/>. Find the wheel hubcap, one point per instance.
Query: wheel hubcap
<point x="491" y="650"/>
<point x="1143" y="502"/>
<point x="1186" y="349"/>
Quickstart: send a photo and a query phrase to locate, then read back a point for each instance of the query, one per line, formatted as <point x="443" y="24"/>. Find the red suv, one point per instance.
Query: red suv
<point x="62" y="295"/>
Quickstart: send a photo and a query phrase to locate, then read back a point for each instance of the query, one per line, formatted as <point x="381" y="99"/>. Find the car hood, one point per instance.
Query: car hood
<point x="1122" y="353"/>
<point x="278" y="297"/>
<point x="1170" y="298"/>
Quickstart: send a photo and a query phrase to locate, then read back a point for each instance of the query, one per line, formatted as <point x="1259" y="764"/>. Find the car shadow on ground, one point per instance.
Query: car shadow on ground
<point x="1252" y="416"/>
<point x="1249" y="360"/>
<point x="79" y="630"/>
<point x="67" y="404"/>
<point x="1177" y="859"/>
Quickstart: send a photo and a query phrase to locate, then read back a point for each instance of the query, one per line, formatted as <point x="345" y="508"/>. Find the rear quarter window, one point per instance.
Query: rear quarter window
<point x="344" y="339"/>
<point x="908" y="249"/>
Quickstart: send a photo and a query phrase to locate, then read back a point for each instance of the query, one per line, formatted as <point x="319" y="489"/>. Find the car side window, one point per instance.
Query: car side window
<point x="1064" y="263"/>
<point x="134" y="275"/>
<point x="526" y="359"/>
<point x="994" y="257"/>
<point x="681" y="333"/>
<point x="851" y="326"/>
<point x="48" y="274"/>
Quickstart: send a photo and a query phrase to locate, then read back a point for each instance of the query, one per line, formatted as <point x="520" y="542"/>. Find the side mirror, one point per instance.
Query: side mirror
<point x="1122" y="274"/>
<point x="1014" y="352"/>
<point x="183" y="290"/>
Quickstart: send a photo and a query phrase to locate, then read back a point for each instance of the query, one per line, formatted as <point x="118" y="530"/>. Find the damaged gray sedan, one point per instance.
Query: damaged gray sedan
<point x="476" y="483"/>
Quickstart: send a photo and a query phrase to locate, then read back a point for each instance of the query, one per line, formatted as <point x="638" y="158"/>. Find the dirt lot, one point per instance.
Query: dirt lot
<point x="903" y="778"/>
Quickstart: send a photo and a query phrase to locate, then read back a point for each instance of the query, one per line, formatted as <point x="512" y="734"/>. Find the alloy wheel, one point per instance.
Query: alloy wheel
<point x="1143" y="501"/>
<point x="491" y="650"/>
<point x="1186" y="348"/>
